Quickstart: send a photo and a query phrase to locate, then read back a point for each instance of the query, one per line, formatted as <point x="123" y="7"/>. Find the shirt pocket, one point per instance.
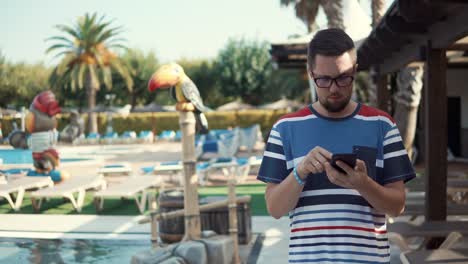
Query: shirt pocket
<point x="369" y="156"/>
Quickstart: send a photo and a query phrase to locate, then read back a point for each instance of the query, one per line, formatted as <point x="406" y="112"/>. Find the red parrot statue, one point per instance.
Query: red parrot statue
<point x="41" y="123"/>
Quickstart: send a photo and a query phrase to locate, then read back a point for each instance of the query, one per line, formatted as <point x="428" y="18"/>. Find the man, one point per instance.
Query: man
<point x="335" y="217"/>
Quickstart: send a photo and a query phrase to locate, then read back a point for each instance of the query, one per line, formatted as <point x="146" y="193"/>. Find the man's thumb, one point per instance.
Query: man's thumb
<point x="361" y="165"/>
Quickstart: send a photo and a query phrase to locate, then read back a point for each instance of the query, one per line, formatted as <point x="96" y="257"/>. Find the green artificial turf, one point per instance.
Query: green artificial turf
<point x="128" y="207"/>
<point x="256" y="191"/>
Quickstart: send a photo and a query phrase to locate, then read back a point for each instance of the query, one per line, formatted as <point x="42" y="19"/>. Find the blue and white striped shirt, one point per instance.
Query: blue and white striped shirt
<point x="331" y="223"/>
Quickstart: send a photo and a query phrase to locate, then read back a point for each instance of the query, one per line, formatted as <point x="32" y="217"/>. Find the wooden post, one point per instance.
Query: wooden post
<point x="154" y="232"/>
<point x="233" y="230"/>
<point x="383" y="94"/>
<point x="192" y="210"/>
<point x="435" y="124"/>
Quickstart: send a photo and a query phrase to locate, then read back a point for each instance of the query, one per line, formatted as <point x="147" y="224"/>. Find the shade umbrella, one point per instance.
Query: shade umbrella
<point x="234" y="106"/>
<point x="283" y="103"/>
<point x="152" y="107"/>
<point x="9" y="112"/>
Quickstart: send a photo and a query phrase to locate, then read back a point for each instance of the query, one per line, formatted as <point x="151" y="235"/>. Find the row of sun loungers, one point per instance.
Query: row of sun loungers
<point x="239" y="166"/>
<point x="134" y="187"/>
<point x="399" y="232"/>
<point x="452" y="231"/>
<point x="126" y="137"/>
<point x="75" y="189"/>
<point x="223" y="141"/>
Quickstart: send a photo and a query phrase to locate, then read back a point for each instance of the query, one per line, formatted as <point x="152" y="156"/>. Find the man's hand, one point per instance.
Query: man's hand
<point x="355" y="178"/>
<point x="313" y="162"/>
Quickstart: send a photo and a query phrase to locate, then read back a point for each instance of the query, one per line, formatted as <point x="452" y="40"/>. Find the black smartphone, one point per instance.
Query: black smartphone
<point x="348" y="158"/>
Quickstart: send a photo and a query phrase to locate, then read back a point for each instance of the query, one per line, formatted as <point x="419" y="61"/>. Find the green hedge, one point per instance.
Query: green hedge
<point x="160" y="121"/>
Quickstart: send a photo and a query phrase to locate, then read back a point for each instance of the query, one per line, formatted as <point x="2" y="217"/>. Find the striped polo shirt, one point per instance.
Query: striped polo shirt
<point x="331" y="224"/>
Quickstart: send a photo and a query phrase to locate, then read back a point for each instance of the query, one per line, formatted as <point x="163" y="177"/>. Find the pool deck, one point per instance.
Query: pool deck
<point x="275" y="241"/>
<point x="276" y="232"/>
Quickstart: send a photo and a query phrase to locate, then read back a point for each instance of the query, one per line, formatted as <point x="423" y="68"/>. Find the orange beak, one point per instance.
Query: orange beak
<point x="164" y="77"/>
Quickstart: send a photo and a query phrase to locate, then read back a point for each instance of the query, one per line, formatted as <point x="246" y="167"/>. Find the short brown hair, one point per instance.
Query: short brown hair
<point x="330" y="42"/>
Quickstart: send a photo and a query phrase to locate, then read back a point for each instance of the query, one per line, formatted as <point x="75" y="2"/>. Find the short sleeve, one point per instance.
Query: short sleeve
<point x="396" y="163"/>
<point x="273" y="168"/>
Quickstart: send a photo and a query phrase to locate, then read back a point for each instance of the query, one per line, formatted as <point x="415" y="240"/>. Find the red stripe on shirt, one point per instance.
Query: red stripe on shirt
<point x="371" y="111"/>
<point x="302" y="112"/>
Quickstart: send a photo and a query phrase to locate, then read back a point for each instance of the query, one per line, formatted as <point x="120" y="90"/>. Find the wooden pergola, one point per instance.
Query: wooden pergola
<point x="423" y="31"/>
<point x="412" y="31"/>
<point x="289" y="56"/>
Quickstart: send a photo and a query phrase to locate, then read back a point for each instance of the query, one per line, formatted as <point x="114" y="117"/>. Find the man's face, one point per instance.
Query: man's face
<point x="341" y="69"/>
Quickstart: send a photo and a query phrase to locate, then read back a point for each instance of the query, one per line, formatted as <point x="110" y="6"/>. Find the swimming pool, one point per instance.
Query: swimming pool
<point x="13" y="250"/>
<point x="24" y="156"/>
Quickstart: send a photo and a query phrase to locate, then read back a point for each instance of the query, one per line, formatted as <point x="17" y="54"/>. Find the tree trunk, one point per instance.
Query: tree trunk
<point x="307" y="12"/>
<point x="378" y="10"/>
<point x="133" y="100"/>
<point x="334" y="12"/>
<point x="91" y="87"/>
<point x="409" y="84"/>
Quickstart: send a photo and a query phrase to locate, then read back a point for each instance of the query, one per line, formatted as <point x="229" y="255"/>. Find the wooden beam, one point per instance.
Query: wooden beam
<point x="418" y="11"/>
<point x="362" y="60"/>
<point x="445" y="33"/>
<point x="407" y="54"/>
<point x="383" y="94"/>
<point x="287" y="52"/>
<point x="442" y="34"/>
<point x="399" y="25"/>
<point x="458" y="46"/>
<point x="397" y="37"/>
<point x="458" y="2"/>
<point x="291" y="65"/>
<point x="436" y="134"/>
<point x="458" y="65"/>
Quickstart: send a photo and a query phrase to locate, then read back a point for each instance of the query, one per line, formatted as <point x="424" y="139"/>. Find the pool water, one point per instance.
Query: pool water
<point x="24" y="156"/>
<point x="14" y="250"/>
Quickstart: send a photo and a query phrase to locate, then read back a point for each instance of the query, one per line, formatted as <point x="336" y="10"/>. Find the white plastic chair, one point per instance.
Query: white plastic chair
<point x="249" y="137"/>
<point x="228" y="144"/>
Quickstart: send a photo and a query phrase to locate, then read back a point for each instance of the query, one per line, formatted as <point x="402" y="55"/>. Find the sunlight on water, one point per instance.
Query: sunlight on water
<point x="69" y="251"/>
<point x="24" y="156"/>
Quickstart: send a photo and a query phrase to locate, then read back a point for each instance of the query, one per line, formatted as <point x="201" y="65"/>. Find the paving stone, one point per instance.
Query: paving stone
<point x="220" y="249"/>
<point x="194" y="252"/>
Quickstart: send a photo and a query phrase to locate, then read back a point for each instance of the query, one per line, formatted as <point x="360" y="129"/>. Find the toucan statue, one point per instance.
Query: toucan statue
<point x="184" y="91"/>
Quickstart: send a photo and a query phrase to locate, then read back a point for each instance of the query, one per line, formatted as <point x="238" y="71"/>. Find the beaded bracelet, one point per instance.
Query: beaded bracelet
<point x="298" y="179"/>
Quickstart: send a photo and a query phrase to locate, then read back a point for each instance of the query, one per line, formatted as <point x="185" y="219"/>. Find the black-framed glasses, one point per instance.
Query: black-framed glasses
<point x="340" y="81"/>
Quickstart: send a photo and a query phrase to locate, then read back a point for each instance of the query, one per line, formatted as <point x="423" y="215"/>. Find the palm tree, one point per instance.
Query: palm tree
<point x="378" y="10"/>
<point x="87" y="60"/>
<point x="306" y="10"/>
<point x="141" y="67"/>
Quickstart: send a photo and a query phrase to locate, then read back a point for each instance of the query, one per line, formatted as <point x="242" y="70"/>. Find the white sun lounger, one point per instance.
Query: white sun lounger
<point x="68" y="189"/>
<point x="175" y="169"/>
<point x="20" y="186"/>
<point x="452" y="256"/>
<point x="398" y="232"/>
<point x="119" y="168"/>
<point x="131" y="187"/>
<point x="240" y="166"/>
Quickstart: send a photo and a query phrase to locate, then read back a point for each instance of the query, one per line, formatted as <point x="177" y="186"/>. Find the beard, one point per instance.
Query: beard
<point x="336" y="106"/>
